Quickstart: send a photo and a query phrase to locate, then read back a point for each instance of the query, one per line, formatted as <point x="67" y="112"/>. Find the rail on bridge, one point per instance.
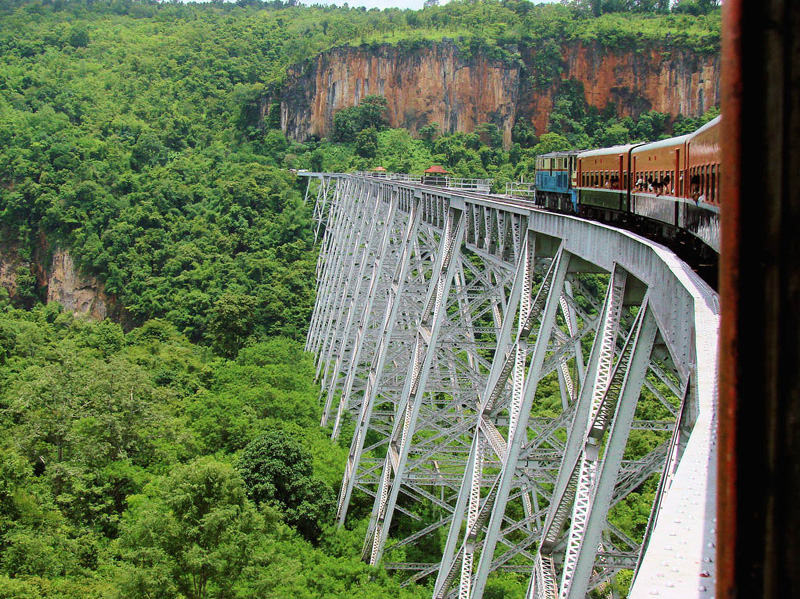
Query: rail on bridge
<point x="509" y="377"/>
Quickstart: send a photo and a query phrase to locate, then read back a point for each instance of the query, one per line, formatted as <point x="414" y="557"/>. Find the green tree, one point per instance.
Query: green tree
<point x="429" y="132"/>
<point x="193" y="531"/>
<point x="551" y="142"/>
<point x="372" y="112"/>
<point x="78" y="36"/>
<point x="232" y="322"/>
<point x="278" y="472"/>
<point x="346" y="124"/>
<point x="367" y="143"/>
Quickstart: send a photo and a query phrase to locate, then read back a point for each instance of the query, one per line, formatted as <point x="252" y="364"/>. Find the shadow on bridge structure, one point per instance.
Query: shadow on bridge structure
<point x="508" y="378"/>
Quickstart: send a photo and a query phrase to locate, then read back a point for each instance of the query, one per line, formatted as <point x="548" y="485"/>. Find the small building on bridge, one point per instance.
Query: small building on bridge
<point x="435" y="175"/>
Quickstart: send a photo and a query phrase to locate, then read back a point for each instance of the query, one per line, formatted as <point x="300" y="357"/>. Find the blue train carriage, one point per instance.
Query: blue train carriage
<point x="604" y="183"/>
<point x="556" y="180"/>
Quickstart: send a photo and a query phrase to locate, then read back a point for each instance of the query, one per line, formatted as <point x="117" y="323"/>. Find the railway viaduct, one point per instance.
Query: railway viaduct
<point x="507" y="378"/>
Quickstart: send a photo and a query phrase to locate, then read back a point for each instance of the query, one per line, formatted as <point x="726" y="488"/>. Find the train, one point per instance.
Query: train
<point x="667" y="189"/>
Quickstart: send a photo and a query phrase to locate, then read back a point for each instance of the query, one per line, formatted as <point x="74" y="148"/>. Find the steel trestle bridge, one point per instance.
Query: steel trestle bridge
<point x="509" y="377"/>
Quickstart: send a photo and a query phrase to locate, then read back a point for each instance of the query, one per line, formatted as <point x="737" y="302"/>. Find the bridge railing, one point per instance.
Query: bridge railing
<point x="480" y="185"/>
<point x="401" y="177"/>
<point x="519" y="189"/>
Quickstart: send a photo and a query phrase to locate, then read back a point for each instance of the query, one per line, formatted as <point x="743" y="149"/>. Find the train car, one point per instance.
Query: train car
<point x="604" y="182"/>
<point x="676" y="188"/>
<point x="657" y="172"/>
<point x="556" y="181"/>
<point x="700" y="216"/>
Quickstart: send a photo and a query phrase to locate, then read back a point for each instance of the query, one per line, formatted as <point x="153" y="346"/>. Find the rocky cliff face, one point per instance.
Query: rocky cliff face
<point x="79" y="294"/>
<point x="58" y="281"/>
<point x="435" y="84"/>
<point x="431" y="85"/>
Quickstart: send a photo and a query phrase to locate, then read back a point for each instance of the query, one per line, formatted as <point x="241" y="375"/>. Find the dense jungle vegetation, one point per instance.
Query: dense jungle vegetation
<point x="177" y="453"/>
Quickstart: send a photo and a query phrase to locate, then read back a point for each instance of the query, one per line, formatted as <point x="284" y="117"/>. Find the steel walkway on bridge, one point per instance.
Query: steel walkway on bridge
<point x="508" y="378"/>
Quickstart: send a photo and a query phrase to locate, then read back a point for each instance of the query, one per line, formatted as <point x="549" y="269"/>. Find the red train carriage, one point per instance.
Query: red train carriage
<point x="668" y="187"/>
<point x="703" y="156"/>
<point x="703" y="164"/>
<point x="658" y="182"/>
<point x="604" y="182"/>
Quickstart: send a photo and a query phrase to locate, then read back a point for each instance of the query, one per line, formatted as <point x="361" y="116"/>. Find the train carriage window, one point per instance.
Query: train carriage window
<point x="704" y="182"/>
<point x="713" y="195"/>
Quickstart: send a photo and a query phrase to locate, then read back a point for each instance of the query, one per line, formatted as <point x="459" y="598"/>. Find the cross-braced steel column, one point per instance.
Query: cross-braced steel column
<point x="366" y="313"/>
<point x="545" y="307"/>
<point x="598" y="476"/>
<point x="341" y="305"/>
<point x="411" y="400"/>
<point x="327" y="254"/>
<point x="368" y="244"/>
<point x="379" y="359"/>
<point x="498" y="376"/>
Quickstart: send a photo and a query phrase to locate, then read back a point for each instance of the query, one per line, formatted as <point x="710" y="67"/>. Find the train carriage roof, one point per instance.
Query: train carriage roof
<point x="664" y="143"/>
<point x="560" y="154"/>
<point x="712" y="123"/>
<point x="606" y="151"/>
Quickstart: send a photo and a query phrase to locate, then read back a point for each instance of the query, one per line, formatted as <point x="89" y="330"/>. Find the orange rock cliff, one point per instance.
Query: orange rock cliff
<point x="436" y="84"/>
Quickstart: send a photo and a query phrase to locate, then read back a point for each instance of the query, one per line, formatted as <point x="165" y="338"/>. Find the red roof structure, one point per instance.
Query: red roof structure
<point x="379" y="168"/>
<point x="436" y="170"/>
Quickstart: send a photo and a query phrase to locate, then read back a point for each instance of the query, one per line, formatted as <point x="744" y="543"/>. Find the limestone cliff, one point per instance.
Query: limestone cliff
<point x="435" y="83"/>
<point x="78" y="293"/>
<point x="56" y="279"/>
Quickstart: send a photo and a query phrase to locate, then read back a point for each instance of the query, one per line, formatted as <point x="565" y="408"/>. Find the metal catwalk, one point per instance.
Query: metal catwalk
<point x="508" y="377"/>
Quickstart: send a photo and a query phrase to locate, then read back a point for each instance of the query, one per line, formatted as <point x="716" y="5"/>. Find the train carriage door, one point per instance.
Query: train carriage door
<point x="675" y="183"/>
<point x="622" y="198"/>
<point x="713" y="198"/>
